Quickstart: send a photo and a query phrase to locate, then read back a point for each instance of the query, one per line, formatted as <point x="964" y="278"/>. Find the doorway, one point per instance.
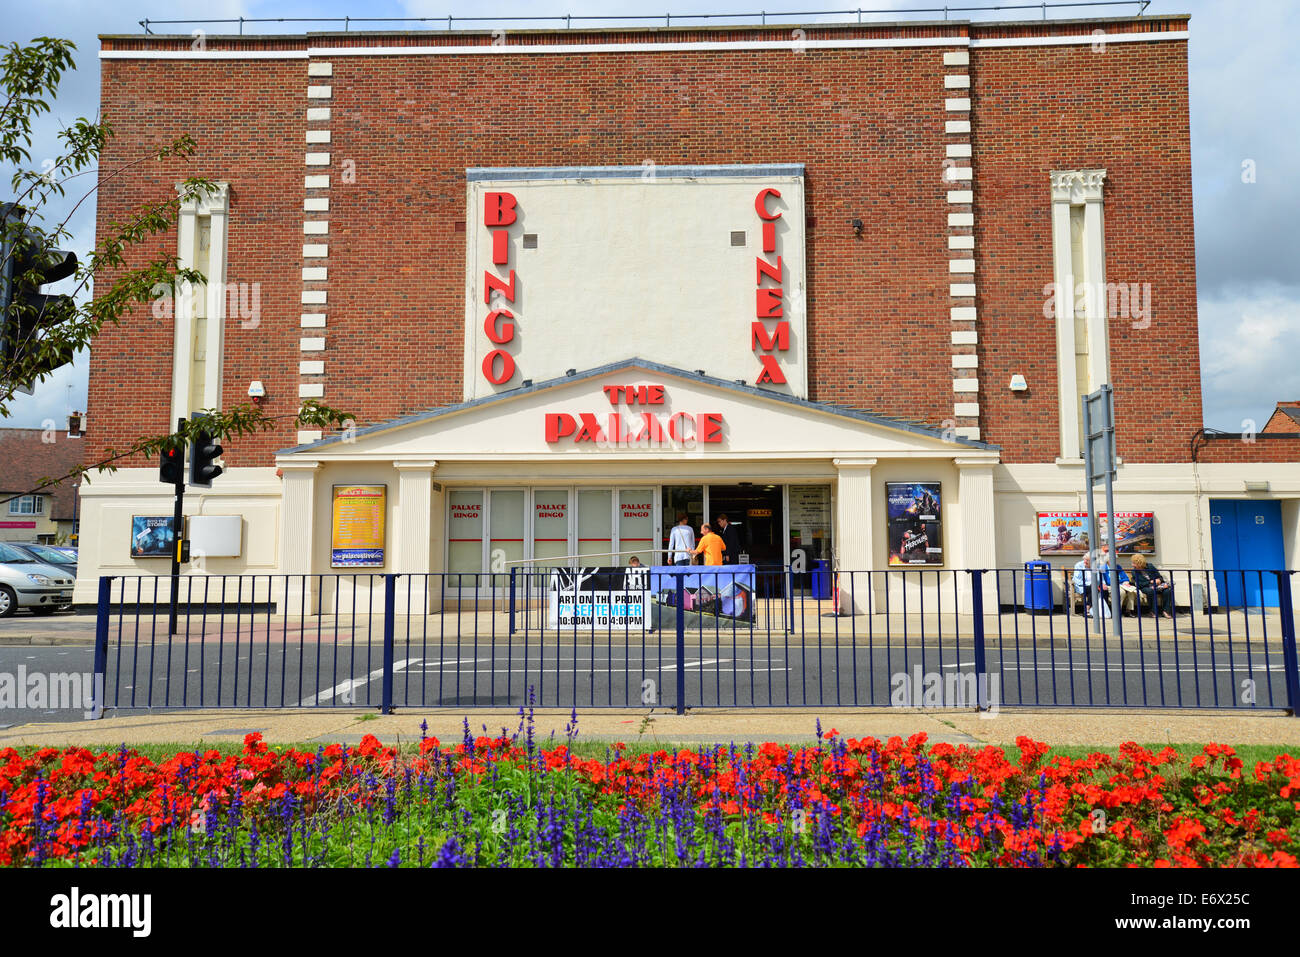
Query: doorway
<point x="757" y="511"/>
<point x="1246" y="535"/>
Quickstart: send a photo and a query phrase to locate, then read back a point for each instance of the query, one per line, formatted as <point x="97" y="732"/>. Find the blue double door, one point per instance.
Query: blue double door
<point x="1246" y="541"/>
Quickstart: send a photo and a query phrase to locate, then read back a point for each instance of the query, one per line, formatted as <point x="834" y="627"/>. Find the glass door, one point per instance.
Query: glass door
<point x="679" y="500"/>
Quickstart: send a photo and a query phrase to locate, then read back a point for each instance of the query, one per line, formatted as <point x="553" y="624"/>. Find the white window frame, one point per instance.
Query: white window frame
<point x="216" y="206"/>
<point x="1070" y="188"/>
<point x="27" y="505"/>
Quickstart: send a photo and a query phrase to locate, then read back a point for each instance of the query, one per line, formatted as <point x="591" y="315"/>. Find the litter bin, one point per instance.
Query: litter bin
<point x="821" y="578"/>
<point x="1038" y="586"/>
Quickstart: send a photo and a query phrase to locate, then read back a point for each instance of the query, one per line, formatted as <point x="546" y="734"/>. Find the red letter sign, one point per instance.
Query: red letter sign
<point x="499" y="209"/>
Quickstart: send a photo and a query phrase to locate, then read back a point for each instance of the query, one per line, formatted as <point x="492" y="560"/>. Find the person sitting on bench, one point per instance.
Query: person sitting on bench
<point x="1083" y="583"/>
<point x="1151" y="582"/>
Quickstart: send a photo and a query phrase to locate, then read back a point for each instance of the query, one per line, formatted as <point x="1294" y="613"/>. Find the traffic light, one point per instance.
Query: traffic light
<point x="203" y="453"/>
<point x="171" y="468"/>
<point x="26" y="264"/>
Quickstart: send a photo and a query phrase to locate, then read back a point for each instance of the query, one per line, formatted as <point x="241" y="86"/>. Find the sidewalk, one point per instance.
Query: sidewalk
<point x="326" y="726"/>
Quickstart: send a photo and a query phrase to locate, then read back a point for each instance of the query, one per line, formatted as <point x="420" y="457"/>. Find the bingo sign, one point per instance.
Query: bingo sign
<point x="357" y="539"/>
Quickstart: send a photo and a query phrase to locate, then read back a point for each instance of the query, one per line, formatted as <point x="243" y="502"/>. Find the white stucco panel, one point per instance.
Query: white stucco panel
<point x="656" y="262"/>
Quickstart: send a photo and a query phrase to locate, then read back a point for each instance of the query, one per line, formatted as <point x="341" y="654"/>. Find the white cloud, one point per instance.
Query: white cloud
<point x="1248" y="348"/>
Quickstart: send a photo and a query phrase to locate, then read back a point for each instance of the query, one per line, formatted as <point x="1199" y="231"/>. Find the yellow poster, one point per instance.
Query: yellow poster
<point x="357" y="539"/>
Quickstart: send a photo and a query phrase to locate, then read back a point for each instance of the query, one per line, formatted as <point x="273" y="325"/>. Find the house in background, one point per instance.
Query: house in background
<point x="28" y="457"/>
<point x="1285" y="419"/>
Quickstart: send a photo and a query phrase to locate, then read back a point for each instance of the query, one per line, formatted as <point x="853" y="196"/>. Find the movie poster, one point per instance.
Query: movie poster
<point x="914" y="514"/>
<point x="152" y="536"/>
<point x="645" y="597"/>
<point x="1067" y="533"/>
<point x="357" y="533"/>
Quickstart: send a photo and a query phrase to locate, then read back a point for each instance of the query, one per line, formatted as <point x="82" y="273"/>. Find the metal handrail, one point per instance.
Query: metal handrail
<point x="668" y="18"/>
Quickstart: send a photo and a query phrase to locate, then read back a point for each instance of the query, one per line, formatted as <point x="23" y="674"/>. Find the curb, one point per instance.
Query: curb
<point x="33" y="640"/>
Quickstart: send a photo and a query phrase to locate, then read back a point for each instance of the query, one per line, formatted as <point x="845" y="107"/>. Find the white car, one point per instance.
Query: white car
<point x="27" y="583"/>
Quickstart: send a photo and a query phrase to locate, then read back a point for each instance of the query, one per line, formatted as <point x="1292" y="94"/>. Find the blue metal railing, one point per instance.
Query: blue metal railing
<point x="693" y="638"/>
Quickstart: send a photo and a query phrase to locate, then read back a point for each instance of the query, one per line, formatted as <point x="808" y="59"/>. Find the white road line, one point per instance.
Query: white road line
<point x="350" y="684"/>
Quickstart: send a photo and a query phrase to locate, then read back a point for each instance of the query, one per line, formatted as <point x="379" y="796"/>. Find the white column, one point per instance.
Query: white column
<point x="415" y="529"/>
<point x="217" y="207"/>
<point x="853" y="538"/>
<point x="1094" y="269"/>
<point x="978" y="529"/>
<point x="1063" y="276"/>
<point x="297" y="536"/>
<point x="1079" y="187"/>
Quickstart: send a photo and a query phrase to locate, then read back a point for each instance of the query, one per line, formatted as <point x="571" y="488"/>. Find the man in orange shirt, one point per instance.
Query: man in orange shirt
<point x="711" y="545"/>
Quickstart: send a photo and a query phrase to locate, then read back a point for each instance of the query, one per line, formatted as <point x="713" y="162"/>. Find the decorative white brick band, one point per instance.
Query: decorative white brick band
<point x="312" y="253"/>
<point x="961" y="238"/>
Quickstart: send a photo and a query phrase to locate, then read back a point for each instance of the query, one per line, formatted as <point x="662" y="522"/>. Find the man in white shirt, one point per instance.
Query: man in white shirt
<point x="1083" y="582"/>
<point x="681" y="541"/>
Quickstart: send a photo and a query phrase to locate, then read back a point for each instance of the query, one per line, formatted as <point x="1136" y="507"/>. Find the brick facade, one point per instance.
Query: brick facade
<point x="869" y="123"/>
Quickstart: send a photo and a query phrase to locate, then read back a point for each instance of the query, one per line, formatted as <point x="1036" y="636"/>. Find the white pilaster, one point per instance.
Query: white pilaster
<point x="854" y="539"/>
<point x="297" y="538"/>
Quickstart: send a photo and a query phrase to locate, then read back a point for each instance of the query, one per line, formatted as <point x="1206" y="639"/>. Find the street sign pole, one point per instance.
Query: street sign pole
<point x="178" y="535"/>
<point x="1094" y="533"/>
<point x="1099" y="465"/>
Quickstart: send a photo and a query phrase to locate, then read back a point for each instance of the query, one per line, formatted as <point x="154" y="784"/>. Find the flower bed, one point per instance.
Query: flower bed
<point x="491" y="801"/>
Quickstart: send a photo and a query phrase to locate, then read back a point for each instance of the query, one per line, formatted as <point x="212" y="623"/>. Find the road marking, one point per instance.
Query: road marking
<point x="352" y="683"/>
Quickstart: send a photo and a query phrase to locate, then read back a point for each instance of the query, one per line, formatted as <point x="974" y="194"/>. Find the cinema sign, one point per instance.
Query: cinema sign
<point x="692" y="267"/>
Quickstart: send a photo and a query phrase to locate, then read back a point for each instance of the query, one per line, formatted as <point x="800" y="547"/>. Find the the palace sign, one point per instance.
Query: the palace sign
<point x="654" y="427"/>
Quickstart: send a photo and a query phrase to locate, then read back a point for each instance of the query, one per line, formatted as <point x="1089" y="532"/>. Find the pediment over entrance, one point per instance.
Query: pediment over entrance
<point x="637" y="409"/>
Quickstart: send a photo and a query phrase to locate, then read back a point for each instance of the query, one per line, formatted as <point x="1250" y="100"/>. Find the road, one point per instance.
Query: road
<point x="715" y="672"/>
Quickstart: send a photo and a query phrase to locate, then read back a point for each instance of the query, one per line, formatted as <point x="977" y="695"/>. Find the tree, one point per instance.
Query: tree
<point x="56" y="328"/>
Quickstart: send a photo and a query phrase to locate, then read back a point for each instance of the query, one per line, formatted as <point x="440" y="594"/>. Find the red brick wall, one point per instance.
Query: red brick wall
<point x="248" y="118"/>
<point x="1274" y="447"/>
<point x="867" y="123"/>
<point x="1123" y="109"/>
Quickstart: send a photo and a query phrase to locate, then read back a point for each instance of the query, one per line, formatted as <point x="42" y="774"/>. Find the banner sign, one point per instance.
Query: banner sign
<point x="645" y="598"/>
<point x="357" y="526"/>
<point x="152" y="536"/>
<point x="915" y="519"/>
<point x="1067" y="533"/>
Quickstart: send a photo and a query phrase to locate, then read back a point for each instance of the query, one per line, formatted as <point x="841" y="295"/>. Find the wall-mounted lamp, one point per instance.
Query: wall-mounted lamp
<point x="1256" y="486"/>
<point x="857" y="227"/>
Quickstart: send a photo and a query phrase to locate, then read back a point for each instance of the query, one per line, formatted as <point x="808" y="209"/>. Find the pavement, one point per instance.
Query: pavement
<point x="348" y="726"/>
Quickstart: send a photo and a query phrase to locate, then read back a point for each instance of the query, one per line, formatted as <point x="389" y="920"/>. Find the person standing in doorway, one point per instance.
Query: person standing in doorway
<point x="711" y="546"/>
<point x="681" y="541"/>
<point x="730" y="535"/>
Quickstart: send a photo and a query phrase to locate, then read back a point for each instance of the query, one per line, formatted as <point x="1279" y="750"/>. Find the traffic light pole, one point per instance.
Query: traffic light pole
<point x="178" y="536"/>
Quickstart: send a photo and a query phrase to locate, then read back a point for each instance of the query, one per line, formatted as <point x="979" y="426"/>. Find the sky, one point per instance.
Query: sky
<point x="1244" y="121"/>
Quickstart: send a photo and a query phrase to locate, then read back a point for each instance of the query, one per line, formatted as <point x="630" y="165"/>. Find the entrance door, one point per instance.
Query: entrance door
<point x="1246" y="535"/>
<point x="757" y="511"/>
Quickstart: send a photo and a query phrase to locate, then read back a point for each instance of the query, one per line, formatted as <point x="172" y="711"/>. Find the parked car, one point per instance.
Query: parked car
<point x="50" y="555"/>
<point x="28" y="583"/>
